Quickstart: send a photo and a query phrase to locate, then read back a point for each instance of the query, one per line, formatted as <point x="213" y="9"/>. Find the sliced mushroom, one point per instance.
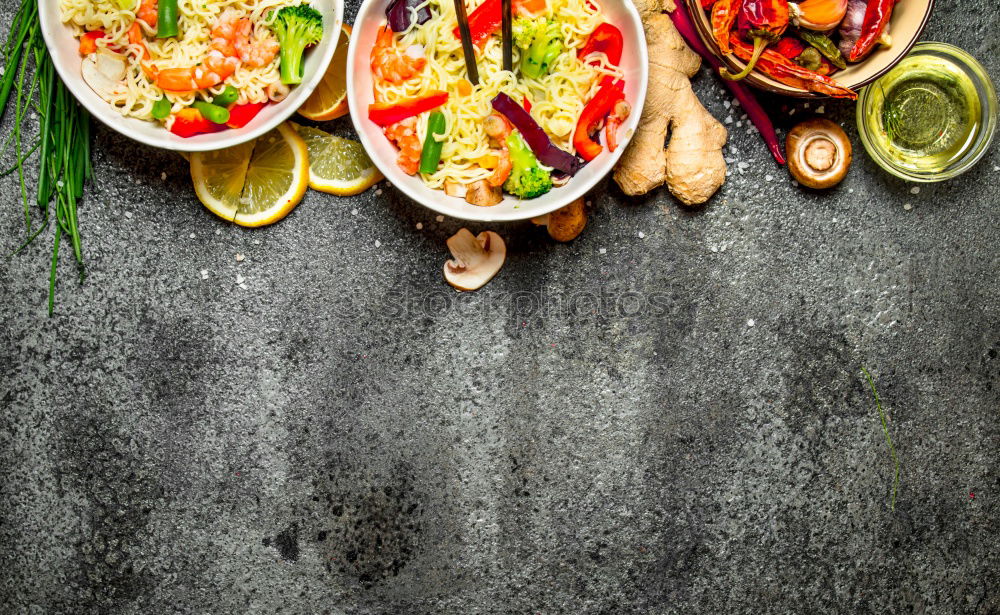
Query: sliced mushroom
<point x="565" y="223"/>
<point x="475" y="259"/>
<point x="818" y="152"/>
<point x="454" y="188"/>
<point x="104" y="72"/>
<point x="481" y="193"/>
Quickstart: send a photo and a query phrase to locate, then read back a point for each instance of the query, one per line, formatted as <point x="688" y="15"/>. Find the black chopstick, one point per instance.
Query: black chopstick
<point x="470" y="54"/>
<point x="507" y="28"/>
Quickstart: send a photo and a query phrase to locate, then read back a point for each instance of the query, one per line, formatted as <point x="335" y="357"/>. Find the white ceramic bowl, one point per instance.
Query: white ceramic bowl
<point x="66" y="57"/>
<point x="359" y="95"/>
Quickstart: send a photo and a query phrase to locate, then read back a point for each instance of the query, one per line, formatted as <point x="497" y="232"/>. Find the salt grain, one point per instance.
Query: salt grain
<point x="128" y="214"/>
<point x="729" y="119"/>
<point x="603" y="250"/>
<point x="641" y="235"/>
<point x="768" y="178"/>
<point x="243" y="286"/>
<point x="907" y="206"/>
<point x="420" y="225"/>
<point x="805" y="106"/>
<point x="439" y="218"/>
<point x="240" y="279"/>
<point x="204" y="274"/>
<point x="739" y="124"/>
<point x="192" y="235"/>
<point x="750" y="322"/>
<point x="821" y="109"/>
<point x="915" y="190"/>
<point x="354" y="212"/>
<point x="378" y="192"/>
<point x="239" y="257"/>
<point x="218" y="231"/>
<point x="163" y="176"/>
<point x="378" y="244"/>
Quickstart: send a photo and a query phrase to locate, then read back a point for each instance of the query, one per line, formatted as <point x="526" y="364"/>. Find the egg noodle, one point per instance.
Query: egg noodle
<point x="189" y="48"/>
<point x="556" y="98"/>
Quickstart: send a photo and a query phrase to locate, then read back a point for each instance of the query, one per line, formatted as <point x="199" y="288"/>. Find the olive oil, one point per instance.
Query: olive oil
<point x="924" y="114"/>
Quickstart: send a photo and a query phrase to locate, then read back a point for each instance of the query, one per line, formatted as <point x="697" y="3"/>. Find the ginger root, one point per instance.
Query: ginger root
<point x="691" y="165"/>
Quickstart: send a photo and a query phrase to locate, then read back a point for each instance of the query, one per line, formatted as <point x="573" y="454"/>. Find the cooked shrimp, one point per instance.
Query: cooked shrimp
<point x="148" y="13"/>
<point x="502" y="171"/>
<point x="390" y="63"/>
<point x="618" y="114"/>
<point x="230" y="44"/>
<point x="404" y="135"/>
<point x="496" y="127"/>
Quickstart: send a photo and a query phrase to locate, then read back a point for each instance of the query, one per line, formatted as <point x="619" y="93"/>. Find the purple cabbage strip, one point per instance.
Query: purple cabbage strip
<point x="682" y="21"/>
<point x="398" y="13"/>
<point x="539" y="142"/>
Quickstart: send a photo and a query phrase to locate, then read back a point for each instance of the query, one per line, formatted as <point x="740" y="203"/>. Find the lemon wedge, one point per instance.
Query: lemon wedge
<point x="255" y="183"/>
<point x="329" y="100"/>
<point x="337" y="166"/>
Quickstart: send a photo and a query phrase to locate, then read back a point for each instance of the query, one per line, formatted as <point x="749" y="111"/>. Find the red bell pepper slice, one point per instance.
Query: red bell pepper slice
<point x="593" y="112"/>
<point x="527" y="104"/>
<point x="605" y="38"/>
<point x="240" y="115"/>
<point x="88" y="42"/>
<point x="190" y="122"/>
<point x="385" y="114"/>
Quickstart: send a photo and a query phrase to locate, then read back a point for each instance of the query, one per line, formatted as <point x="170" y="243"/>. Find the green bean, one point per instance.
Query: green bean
<point x="227" y="97"/>
<point x="212" y="113"/>
<point x="161" y="108"/>
<point x="166" y="19"/>
<point x="431" y="154"/>
<point x="825" y="46"/>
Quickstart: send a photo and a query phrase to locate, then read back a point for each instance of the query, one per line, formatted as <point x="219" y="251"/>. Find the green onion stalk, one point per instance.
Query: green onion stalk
<point x="63" y="142"/>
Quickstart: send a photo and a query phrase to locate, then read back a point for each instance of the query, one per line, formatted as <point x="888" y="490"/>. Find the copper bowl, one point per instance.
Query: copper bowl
<point x="908" y="21"/>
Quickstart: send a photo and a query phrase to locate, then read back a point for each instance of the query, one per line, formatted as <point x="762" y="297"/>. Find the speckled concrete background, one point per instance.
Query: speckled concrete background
<point x="665" y="416"/>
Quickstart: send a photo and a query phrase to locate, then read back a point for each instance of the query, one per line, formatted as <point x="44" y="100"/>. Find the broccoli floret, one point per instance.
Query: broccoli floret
<point x="540" y="41"/>
<point x="527" y="179"/>
<point x="524" y="30"/>
<point x="297" y="27"/>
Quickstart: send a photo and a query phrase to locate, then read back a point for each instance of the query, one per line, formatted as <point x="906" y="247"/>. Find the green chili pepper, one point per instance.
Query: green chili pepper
<point x="161" y="108"/>
<point x="228" y="97"/>
<point x="212" y="113"/>
<point x="166" y="19"/>
<point x="431" y="154"/>
<point x="809" y="58"/>
<point x="824" y="45"/>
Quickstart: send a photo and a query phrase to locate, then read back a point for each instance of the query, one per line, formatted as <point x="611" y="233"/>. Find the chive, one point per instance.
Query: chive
<point x="888" y="438"/>
<point x="212" y="113"/>
<point x="161" y="109"/>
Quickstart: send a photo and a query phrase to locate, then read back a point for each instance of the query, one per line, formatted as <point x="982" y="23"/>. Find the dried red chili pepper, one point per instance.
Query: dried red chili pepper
<point x="781" y="69"/>
<point x="877" y="15"/>
<point x="723" y="16"/>
<point x="790" y="47"/>
<point x="762" y="22"/>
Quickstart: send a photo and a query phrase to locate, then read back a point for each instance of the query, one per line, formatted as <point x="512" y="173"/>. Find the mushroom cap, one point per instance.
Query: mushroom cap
<point x="566" y="223"/>
<point x="475" y="259"/>
<point x="818" y="152"/>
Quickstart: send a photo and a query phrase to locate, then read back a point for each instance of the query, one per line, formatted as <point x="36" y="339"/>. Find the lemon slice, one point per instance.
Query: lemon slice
<point x="255" y="183"/>
<point x="329" y="100"/>
<point x="338" y="166"/>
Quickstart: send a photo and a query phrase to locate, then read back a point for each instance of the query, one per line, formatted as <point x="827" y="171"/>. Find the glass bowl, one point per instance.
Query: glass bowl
<point x="934" y="160"/>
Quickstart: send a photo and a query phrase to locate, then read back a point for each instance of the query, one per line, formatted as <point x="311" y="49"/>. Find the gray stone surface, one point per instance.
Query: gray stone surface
<point x="664" y="416"/>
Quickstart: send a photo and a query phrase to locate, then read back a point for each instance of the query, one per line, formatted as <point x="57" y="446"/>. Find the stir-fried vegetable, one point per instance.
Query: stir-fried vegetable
<point x="166" y="19"/>
<point x="541" y="42"/>
<point x="297" y="27"/>
<point x="212" y="113"/>
<point x="527" y="179"/>
<point x="431" y="154"/>
<point x="384" y="114"/>
<point x="161" y="109"/>
<point x="595" y="110"/>
<point x="228" y="96"/>
<point x="399" y="11"/>
<point x="540" y="144"/>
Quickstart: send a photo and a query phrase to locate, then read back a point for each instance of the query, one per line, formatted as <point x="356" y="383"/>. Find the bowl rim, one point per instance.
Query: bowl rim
<point x="431" y="198"/>
<point x="989" y="108"/>
<point x="103" y="112"/>
<point x="762" y="82"/>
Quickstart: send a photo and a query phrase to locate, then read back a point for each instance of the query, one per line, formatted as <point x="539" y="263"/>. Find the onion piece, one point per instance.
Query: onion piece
<point x="398" y="13"/>
<point x="539" y="142"/>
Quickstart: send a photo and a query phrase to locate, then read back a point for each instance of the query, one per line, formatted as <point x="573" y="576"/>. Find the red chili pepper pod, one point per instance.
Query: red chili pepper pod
<point x="761" y="22"/>
<point x="877" y="15"/>
<point x="788" y="72"/>
<point x="723" y="16"/>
